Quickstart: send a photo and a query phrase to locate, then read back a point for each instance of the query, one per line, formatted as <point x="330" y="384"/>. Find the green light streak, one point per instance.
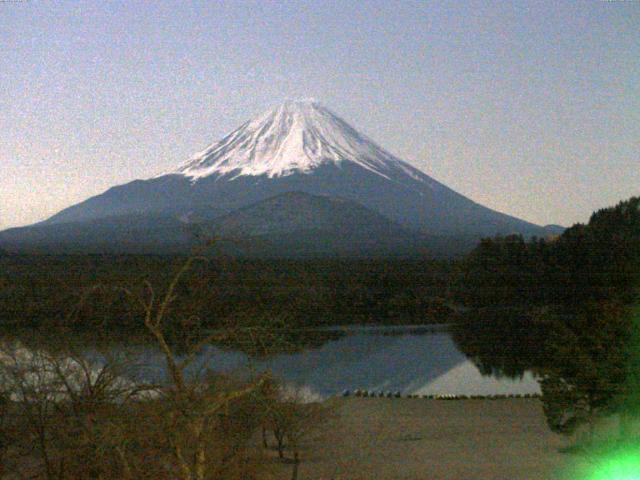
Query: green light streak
<point x="622" y="466"/>
<point x="611" y="457"/>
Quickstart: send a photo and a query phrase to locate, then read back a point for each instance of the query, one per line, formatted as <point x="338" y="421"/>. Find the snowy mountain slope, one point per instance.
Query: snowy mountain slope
<point x="296" y="137"/>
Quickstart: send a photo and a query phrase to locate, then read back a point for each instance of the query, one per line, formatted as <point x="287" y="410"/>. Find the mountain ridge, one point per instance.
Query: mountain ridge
<point x="299" y="147"/>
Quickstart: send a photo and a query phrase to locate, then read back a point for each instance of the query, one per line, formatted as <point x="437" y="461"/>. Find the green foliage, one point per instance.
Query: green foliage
<point x="505" y="271"/>
<point x="505" y="342"/>
<point x="595" y="262"/>
<point x="602" y="259"/>
<point x="586" y="371"/>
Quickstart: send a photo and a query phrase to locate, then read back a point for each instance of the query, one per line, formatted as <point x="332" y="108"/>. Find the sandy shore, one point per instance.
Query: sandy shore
<point x="371" y="438"/>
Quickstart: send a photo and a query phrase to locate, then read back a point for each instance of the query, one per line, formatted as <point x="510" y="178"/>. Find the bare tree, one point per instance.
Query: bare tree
<point x="291" y="418"/>
<point x="80" y="414"/>
<point x="193" y="406"/>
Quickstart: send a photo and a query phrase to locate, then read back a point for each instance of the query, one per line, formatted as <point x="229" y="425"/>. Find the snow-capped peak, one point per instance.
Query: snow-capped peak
<point x="296" y="136"/>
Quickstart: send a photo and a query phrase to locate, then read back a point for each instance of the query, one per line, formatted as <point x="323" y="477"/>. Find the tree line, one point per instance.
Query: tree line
<point x="42" y="290"/>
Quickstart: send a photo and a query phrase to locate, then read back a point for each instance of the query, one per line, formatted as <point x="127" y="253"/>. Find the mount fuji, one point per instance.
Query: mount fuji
<point x="297" y="172"/>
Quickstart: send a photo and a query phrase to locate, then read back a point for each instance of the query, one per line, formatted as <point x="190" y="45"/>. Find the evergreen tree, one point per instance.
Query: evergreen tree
<point x="587" y="367"/>
<point x="589" y="280"/>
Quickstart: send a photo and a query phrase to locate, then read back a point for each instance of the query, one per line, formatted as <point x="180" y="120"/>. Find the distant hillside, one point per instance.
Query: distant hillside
<point x="290" y="225"/>
<point x="300" y="224"/>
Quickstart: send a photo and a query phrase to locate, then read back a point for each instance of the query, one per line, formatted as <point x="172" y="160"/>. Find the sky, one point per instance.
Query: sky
<point x="530" y="108"/>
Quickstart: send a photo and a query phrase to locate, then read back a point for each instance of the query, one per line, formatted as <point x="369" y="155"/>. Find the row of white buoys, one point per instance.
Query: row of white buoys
<point x="387" y="394"/>
<point x="372" y="394"/>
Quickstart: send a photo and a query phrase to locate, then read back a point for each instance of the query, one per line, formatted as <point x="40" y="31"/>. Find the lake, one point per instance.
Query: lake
<point x="411" y="360"/>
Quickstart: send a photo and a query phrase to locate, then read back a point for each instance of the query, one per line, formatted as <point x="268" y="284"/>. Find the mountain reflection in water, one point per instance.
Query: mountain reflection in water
<point x="410" y="360"/>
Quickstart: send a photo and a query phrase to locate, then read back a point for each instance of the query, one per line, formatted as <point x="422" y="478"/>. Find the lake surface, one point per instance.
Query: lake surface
<point x="412" y="360"/>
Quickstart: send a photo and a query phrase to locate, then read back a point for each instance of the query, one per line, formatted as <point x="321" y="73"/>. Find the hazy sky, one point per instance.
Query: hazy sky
<point x="529" y="108"/>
